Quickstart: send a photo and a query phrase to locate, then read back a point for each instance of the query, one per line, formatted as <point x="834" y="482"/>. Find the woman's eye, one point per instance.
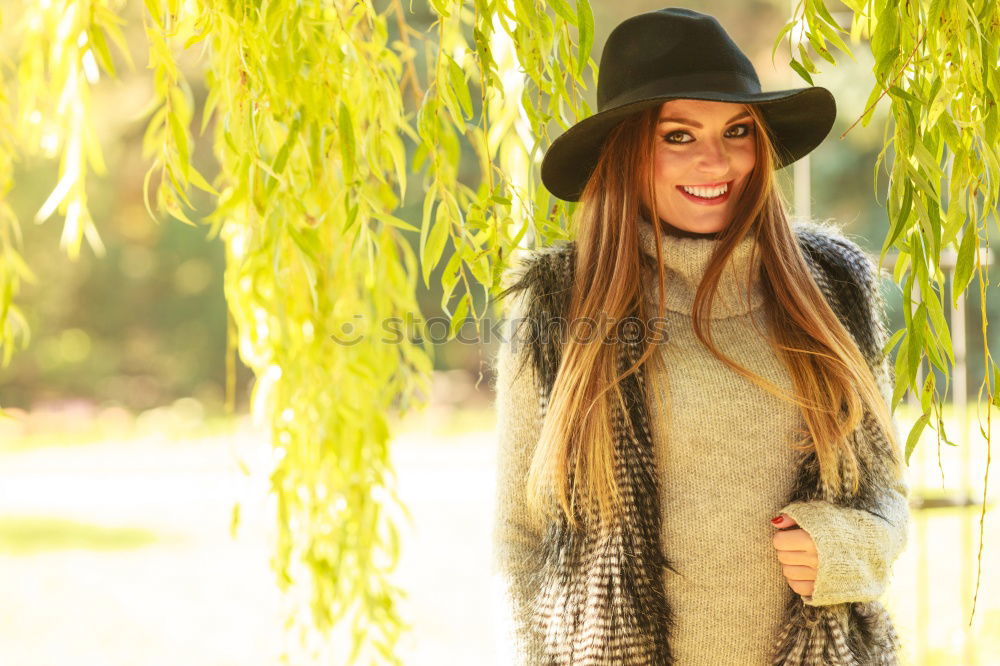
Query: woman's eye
<point x="746" y="127"/>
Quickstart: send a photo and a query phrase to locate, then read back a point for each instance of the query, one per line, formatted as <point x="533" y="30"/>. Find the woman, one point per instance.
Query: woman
<point x="675" y="484"/>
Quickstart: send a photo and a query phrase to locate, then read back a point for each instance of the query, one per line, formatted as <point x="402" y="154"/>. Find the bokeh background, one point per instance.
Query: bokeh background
<point x="120" y="470"/>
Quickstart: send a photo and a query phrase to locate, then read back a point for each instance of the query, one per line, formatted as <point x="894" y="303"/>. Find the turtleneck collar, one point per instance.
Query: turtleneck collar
<point x="685" y="259"/>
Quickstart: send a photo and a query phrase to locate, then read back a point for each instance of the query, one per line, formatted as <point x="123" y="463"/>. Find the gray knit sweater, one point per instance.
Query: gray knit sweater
<point x="723" y="455"/>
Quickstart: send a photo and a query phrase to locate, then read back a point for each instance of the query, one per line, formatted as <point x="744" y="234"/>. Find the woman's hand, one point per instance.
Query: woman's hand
<point x="797" y="554"/>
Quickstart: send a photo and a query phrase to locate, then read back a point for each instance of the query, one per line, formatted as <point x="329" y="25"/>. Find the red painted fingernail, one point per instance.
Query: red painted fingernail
<point x="776" y="520"/>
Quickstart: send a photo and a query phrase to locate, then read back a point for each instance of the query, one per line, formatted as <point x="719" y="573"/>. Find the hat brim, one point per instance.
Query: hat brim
<point x="799" y="120"/>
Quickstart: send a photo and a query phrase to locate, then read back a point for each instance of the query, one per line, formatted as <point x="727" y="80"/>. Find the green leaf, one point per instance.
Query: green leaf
<point x="447" y="95"/>
<point x="942" y="333"/>
<point x="585" y="24"/>
<point x="955" y="218"/>
<point x="562" y="9"/>
<point x="180" y="143"/>
<point x="199" y="181"/>
<point x="441" y="7"/>
<point x="966" y="259"/>
<point x="996" y="386"/>
<point x="914" y="436"/>
<point x="777" y="41"/>
<point x="832" y="35"/>
<point x="899" y="92"/>
<point x="819" y="44"/>
<point x="145" y="190"/>
<point x="893" y="340"/>
<point x="458" y="318"/>
<point x="899" y="223"/>
<point x="211" y="100"/>
<point x="927" y="392"/>
<point x="101" y="51"/>
<point x="943" y="97"/>
<point x="178" y="187"/>
<point x="924" y="187"/>
<point x="397" y="152"/>
<point x="110" y="22"/>
<point x="307" y="242"/>
<point x="347" y="142"/>
<point x="393" y="221"/>
<point x="179" y="214"/>
<point x="437" y="238"/>
<point x="281" y="159"/>
<point x="450" y="277"/>
<point x="419" y="157"/>
<point x="293" y="132"/>
<point x="902" y="373"/>
<point x="870" y="105"/>
<point x="915" y="340"/>
<point x="234" y="520"/>
<point x="822" y="12"/>
<point x="459" y="85"/>
<point x="800" y="70"/>
<point x="926" y="160"/>
<point x="806" y="60"/>
<point x="425" y="227"/>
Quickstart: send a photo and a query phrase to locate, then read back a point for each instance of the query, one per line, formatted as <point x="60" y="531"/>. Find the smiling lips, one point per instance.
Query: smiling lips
<point x="707" y="194"/>
<point x="718" y="184"/>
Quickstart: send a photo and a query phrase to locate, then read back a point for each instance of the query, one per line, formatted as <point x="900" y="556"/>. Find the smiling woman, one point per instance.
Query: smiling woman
<point x="698" y="170"/>
<point x="638" y="481"/>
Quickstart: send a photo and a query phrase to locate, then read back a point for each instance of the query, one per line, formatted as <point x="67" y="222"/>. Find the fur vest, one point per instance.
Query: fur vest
<point x="601" y="601"/>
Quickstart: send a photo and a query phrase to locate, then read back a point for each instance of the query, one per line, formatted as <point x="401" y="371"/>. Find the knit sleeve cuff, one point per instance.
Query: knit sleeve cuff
<point x="856" y="548"/>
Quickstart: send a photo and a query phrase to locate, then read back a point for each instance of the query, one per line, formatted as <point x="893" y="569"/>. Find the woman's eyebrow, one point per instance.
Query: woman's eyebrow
<point x="692" y="123"/>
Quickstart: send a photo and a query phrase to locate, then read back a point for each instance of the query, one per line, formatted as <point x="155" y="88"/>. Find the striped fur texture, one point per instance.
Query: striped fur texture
<point x="598" y="599"/>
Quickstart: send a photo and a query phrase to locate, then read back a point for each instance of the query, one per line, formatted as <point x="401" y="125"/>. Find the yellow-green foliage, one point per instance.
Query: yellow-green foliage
<point x="13" y="268"/>
<point x="63" y="47"/>
<point x="937" y="62"/>
<point x="310" y="103"/>
<point x="310" y="116"/>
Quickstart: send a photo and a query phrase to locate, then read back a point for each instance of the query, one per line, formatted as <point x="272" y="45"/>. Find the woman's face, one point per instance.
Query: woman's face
<point x="706" y="146"/>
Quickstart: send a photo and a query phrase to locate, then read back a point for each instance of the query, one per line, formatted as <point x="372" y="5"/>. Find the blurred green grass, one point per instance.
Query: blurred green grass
<point x="23" y="535"/>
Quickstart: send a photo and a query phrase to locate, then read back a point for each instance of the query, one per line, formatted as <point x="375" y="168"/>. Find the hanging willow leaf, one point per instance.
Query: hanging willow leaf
<point x="345" y="127"/>
<point x="801" y="71"/>
<point x="562" y="9"/>
<point x="964" y="266"/>
<point x="996" y="386"/>
<point x="831" y="34"/>
<point x="458" y="85"/>
<point x="781" y="35"/>
<point x="819" y="44"/>
<point x="585" y="24"/>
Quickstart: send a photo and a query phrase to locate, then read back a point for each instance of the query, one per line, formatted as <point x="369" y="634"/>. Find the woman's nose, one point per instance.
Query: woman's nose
<point x="714" y="156"/>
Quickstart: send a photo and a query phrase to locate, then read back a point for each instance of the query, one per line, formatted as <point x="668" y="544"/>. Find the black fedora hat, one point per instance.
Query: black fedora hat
<point x="678" y="53"/>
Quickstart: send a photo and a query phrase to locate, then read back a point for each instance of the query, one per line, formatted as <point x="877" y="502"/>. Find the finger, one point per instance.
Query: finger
<point x="793" y="540"/>
<point x="784" y="520"/>
<point x="802" y="587"/>
<point x="798" y="557"/>
<point x="798" y="573"/>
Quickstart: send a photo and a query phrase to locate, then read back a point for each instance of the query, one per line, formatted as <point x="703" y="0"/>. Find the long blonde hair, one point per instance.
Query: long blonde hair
<point x="826" y="367"/>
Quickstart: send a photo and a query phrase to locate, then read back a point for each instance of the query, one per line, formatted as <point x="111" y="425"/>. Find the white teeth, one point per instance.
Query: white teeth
<point x="706" y="192"/>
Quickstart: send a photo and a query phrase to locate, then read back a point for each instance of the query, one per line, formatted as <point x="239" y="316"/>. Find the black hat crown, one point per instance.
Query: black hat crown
<point x="692" y="51"/>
